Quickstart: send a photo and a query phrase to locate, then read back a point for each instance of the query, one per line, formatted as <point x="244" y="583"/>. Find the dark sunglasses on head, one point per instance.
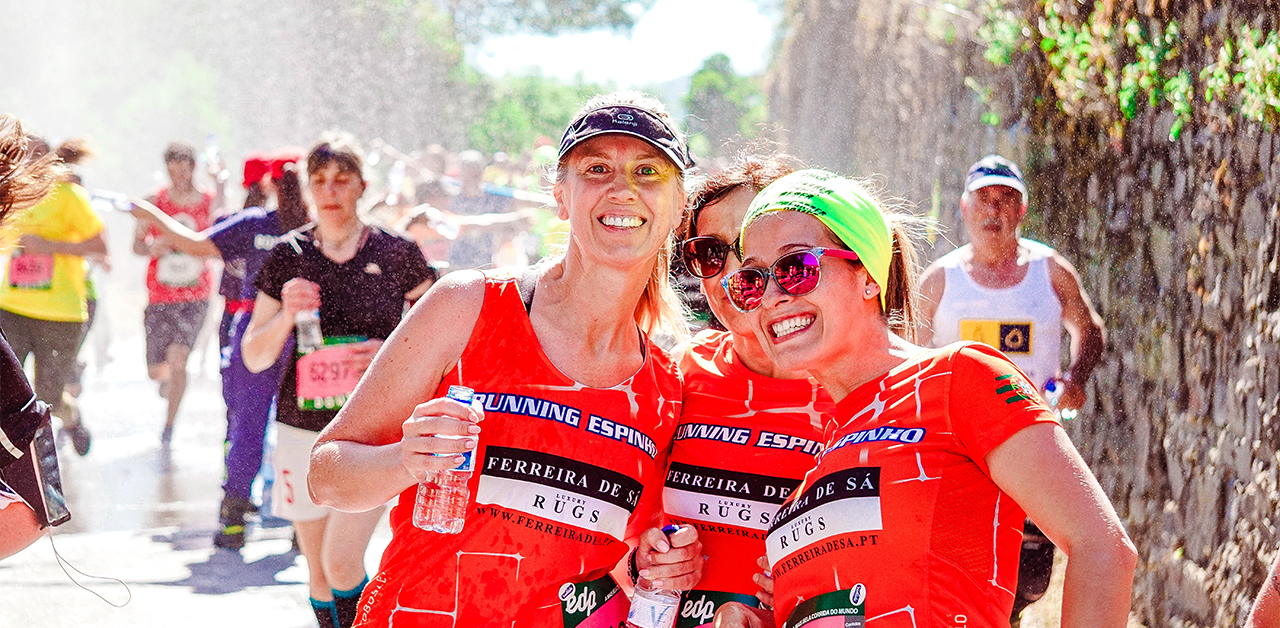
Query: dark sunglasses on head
<point x="796" y="273"/>
<point x="705" y="256"/>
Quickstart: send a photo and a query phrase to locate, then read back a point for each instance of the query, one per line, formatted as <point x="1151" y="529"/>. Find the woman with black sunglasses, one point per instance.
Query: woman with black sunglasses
<point x="913" y="515"/>
<point x="748" y="429"/>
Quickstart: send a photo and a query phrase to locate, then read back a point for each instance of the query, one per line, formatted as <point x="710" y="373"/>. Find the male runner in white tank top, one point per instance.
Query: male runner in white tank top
<point x="1016" y="295"/>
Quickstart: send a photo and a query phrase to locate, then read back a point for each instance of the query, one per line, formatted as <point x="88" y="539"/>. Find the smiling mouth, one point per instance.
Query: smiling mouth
<point x="622" y="222"/>
<point x="789" y="326"/>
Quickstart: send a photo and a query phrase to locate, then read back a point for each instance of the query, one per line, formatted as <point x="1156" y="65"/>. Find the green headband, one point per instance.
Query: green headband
<point x="843" y="205"/>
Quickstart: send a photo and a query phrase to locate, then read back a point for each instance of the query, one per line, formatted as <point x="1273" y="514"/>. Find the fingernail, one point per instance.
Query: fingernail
<point x="662" y="547"/>
<point x="474" y="429"/>
<point x="657" y="584"/>
<point x="471" y="443"/>
<point x="644" y="573"/>
<point x="459" y="459"/>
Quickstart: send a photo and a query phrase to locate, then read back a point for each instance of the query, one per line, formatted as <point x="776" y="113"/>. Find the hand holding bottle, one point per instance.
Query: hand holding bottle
<point x="670" y="561"/>
<point x="434" y="430"/>
<point x="299" y="295"/>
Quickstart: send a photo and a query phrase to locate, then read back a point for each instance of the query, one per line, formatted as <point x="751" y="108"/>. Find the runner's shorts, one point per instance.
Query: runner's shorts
<point x="170" y="324"/>
<point x="290" y="498"/>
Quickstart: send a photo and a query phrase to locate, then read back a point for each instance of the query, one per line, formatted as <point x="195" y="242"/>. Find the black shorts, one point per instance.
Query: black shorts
<point x="169" y="324"/>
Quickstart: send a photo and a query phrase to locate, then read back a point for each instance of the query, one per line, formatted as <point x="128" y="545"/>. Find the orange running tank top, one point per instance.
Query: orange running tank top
<point x="742" y="446"/>
<point x="900" y="522"/>
<point x="564" y="474"/>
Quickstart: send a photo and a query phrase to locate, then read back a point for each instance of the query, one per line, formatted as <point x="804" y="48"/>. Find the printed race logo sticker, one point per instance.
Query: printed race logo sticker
<point x="839" y="504"/>
<point x="838" y="609"/>
<point x="1015" y="338"/>
<point x="559" y="489"/>
<point x="594" y="604"/>
<point x="745" y="500"/>
<point x="699" y="607"/>
<point x="1008" y="337"/>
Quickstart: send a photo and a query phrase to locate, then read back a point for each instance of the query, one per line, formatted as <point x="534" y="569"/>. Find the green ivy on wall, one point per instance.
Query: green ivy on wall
<point x="1099" y="67"/>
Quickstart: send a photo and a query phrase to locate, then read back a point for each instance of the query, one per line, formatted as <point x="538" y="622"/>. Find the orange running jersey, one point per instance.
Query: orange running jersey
<point x="564" y="474"/>
<point x="900" y="522"/>
<point x="743" y="444"/>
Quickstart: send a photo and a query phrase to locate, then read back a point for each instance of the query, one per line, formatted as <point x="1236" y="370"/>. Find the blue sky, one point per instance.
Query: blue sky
<point x="669" y="41"/>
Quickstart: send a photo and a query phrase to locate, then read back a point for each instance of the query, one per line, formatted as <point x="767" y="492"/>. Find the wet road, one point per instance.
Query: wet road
<point x="146" y="513"/>
<point x="129" y="481"/>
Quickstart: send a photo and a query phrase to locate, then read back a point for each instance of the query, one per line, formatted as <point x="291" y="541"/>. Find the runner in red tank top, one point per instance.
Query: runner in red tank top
<point x="178" y="284"/>
<point x="174" y="277"/>
<point x="748" y="431"/>
<point x="578" y="408"/>
<point x="911" y="517"/>
<point x="561" y="487"/>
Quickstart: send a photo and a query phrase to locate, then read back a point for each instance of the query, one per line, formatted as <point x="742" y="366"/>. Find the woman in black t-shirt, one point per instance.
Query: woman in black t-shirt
<point x="359" y="278"/>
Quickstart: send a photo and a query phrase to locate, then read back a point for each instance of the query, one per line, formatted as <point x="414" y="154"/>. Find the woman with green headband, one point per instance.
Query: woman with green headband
<point x="748" y="430"/>
<point x="913" y="515"/>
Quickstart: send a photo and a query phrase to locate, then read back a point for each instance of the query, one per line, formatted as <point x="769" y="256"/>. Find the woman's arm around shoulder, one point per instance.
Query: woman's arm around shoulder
<point x="1040" y="469"/>
<point x="384" y="437"/>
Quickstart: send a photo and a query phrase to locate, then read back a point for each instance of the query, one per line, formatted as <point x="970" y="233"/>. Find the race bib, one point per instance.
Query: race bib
<point x="1008" y="337"/>
<point x="838" y="609"/>
<point x="179" y="270"/>
<point x="31" y="271"/>
<point x="325" y="376"/>
<point x="595" y="604"/>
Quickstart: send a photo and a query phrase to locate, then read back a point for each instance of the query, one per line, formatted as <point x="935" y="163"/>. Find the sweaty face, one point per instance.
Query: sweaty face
<point x="993" y="213"/>
<point x="621" y="197"/>
<point x="335" y="191"/>
<point x="723" y="219"/>
<point x="808" y="332"/>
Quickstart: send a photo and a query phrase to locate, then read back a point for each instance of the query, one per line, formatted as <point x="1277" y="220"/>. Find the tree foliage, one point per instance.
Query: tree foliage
<point x="476" y="19"/>
<point x="722" y="104"/>
<point x="523" y="108"/>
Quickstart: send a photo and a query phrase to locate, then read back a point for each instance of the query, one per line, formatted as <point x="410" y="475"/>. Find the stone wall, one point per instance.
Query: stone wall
<point x="1177" y="241"/>
<point x="877" y="89"/>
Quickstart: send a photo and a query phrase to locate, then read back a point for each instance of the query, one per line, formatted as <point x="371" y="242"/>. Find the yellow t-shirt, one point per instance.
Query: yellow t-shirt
<point x="51" y="287"/>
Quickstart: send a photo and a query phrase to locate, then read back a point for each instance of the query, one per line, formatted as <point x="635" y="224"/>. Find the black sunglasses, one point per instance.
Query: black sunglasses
<point x="705" y="256"/>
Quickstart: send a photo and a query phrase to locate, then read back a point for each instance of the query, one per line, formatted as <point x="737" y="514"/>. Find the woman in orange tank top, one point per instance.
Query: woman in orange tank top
<point x="748" y="430"/>
<point x="577" y="407"/>
<point x="913" y="515"/>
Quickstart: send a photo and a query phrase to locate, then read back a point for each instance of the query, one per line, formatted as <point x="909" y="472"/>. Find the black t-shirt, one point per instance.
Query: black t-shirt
<point x="363" y="297"/>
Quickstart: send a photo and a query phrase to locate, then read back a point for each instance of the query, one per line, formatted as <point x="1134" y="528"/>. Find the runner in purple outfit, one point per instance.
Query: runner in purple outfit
<point x="248" y="235"/>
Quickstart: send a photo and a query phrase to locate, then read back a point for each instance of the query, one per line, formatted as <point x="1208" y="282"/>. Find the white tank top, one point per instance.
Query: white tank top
<point x="1023" y="321"/>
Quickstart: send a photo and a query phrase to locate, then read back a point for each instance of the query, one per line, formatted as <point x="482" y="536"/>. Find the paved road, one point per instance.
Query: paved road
<point x="146" y="514"/>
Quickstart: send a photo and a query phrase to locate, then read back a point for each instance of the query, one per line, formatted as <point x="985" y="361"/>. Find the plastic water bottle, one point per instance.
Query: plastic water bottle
<point x="103" y="200"/>
<point x="395" y="182"/>
<point x="652" y="607"/>
<point x="443" y="495"/>
<point x="1053" y="389"/>
<point x="307" y="324"/>
<point x="212" y="155"/>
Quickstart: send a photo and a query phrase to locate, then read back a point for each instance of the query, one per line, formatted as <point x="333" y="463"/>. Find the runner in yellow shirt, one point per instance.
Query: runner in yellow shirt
<point x="43" y="295"/>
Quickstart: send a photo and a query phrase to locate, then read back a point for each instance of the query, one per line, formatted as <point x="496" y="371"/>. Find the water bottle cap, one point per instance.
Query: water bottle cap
<point x="461" y="393"/>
